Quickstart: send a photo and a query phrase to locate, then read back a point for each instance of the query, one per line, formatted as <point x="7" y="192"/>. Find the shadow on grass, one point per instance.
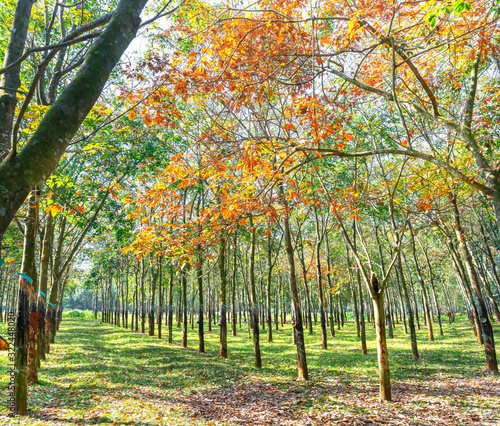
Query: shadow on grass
<point x="91" y="358"/>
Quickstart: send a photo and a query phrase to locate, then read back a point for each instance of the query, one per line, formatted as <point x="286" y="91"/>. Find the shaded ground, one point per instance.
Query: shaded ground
<point x="101" y="374"/>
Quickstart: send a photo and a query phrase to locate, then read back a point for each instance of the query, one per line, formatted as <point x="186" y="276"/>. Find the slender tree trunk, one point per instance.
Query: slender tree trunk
<point x="160" y="297"/>
<point x="382" y="351"/>
<point x="44" y="273"/>
<point x="268" y="289"/>
<point x="170" y="302"/>
<point x="296" y="311"/>
<point x="152" y="301"/>
<point x="255" y="308"/>
<point x="184" y="306"/>
<point x="319" y="238"/>
<point x="487" y="329"/>
<point x="409" y="309"/>
<point x="467" y="289"/>
<point x="143" y="298"/>
<point x="420" y="277"/>
<point x="21" y="345"/>
<point x="330" y="289"/>
<point x="433" y="290"/>
<point x="11" y="80"/>
<point x="199" y="271"/>
<point x="136" y="299"/>
<point x="223" y="295"/>
<point x="23" y="320"/>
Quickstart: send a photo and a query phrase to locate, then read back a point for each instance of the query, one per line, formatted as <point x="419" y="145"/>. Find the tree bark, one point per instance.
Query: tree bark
<point x="319" y="238"/>
<point x="184" y="305"/>
<point x="223" y="308"/>
<point x="152" y="301"/>
<point x="427" y="312"/>
<point x="382" y="351"/>
<point x="170" y="307"/>
<point x="296" y="311"/>
<point x="254" y="308"/>
<point x="61" y="122"/>
<point x="487" y="329"/>
<point x="11" y="80"/>
<point x="268" y="289"/>
<point x="199" y="273"/>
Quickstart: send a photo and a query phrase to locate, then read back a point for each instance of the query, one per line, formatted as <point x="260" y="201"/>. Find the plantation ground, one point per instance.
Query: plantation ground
<point x="101" y="374"/>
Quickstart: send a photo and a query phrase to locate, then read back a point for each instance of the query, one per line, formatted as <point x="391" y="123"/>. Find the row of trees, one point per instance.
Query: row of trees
<point x="346" y="149"/>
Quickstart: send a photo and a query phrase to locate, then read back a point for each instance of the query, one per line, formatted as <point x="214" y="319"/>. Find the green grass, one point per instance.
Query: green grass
<point x="101" y="374"/>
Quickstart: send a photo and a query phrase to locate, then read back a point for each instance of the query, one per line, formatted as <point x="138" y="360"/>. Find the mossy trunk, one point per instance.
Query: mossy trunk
<point x="49" y="141"/>
<point x="21" y="345"/>
<point x="10" y="80"/>
<point x="41" y="330"/>
<point x="34" y="324"/>
<point x="27" y="317"/>
<point x="48" y="329"/>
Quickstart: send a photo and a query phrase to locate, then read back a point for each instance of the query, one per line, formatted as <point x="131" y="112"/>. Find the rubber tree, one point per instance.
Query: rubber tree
<point x="420" y="276"/>
<point x="320" y="234"/>
<point x="297" y="324"/>
<point x="10" y="81"/>
<point x="25" y="293"/>
<point x="485" y="324"/>
<point x="32" y="164"/>
<point x="376" y="289"/>
<point x="223" y="297"/>
<point x="253" y="295"/>
<point x="199" y="277"/>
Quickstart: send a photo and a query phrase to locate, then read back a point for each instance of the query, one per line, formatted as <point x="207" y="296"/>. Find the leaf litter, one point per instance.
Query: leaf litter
<point x="101" y="374"/>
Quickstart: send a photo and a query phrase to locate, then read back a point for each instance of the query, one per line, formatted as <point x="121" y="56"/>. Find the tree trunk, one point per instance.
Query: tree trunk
<point x="268" y="289"/>
<point x="170" y="307"/>
<point x="184" y="306"/>
<point x="223" y="308"/>
<point x="433" y="290"/>
<point x="255" y="308"/>
<point x="296" y="312"/>
<point x="152" y="301"/>
<point x="487" y="329"/>
<point x="23" y="340"/>
<point x="11" y="80"/>
<point x="199" y="272"/>
<point x="160" y="297"/>
<point x="409" y="310"/>
<point x="319" y="238"/>
<point x="21" y="345"/>
<point x="383" y="354"/>
<point x="61" y="122"/>
<point x="233" y="294"/>
<point x="427" y="313"/>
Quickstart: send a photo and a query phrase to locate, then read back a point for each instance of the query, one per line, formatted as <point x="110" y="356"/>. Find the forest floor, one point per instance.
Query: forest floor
<point x="101" y="374"/>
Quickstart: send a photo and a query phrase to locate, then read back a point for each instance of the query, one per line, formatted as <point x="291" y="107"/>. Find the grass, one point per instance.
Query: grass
<point x="101" y="374"/>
